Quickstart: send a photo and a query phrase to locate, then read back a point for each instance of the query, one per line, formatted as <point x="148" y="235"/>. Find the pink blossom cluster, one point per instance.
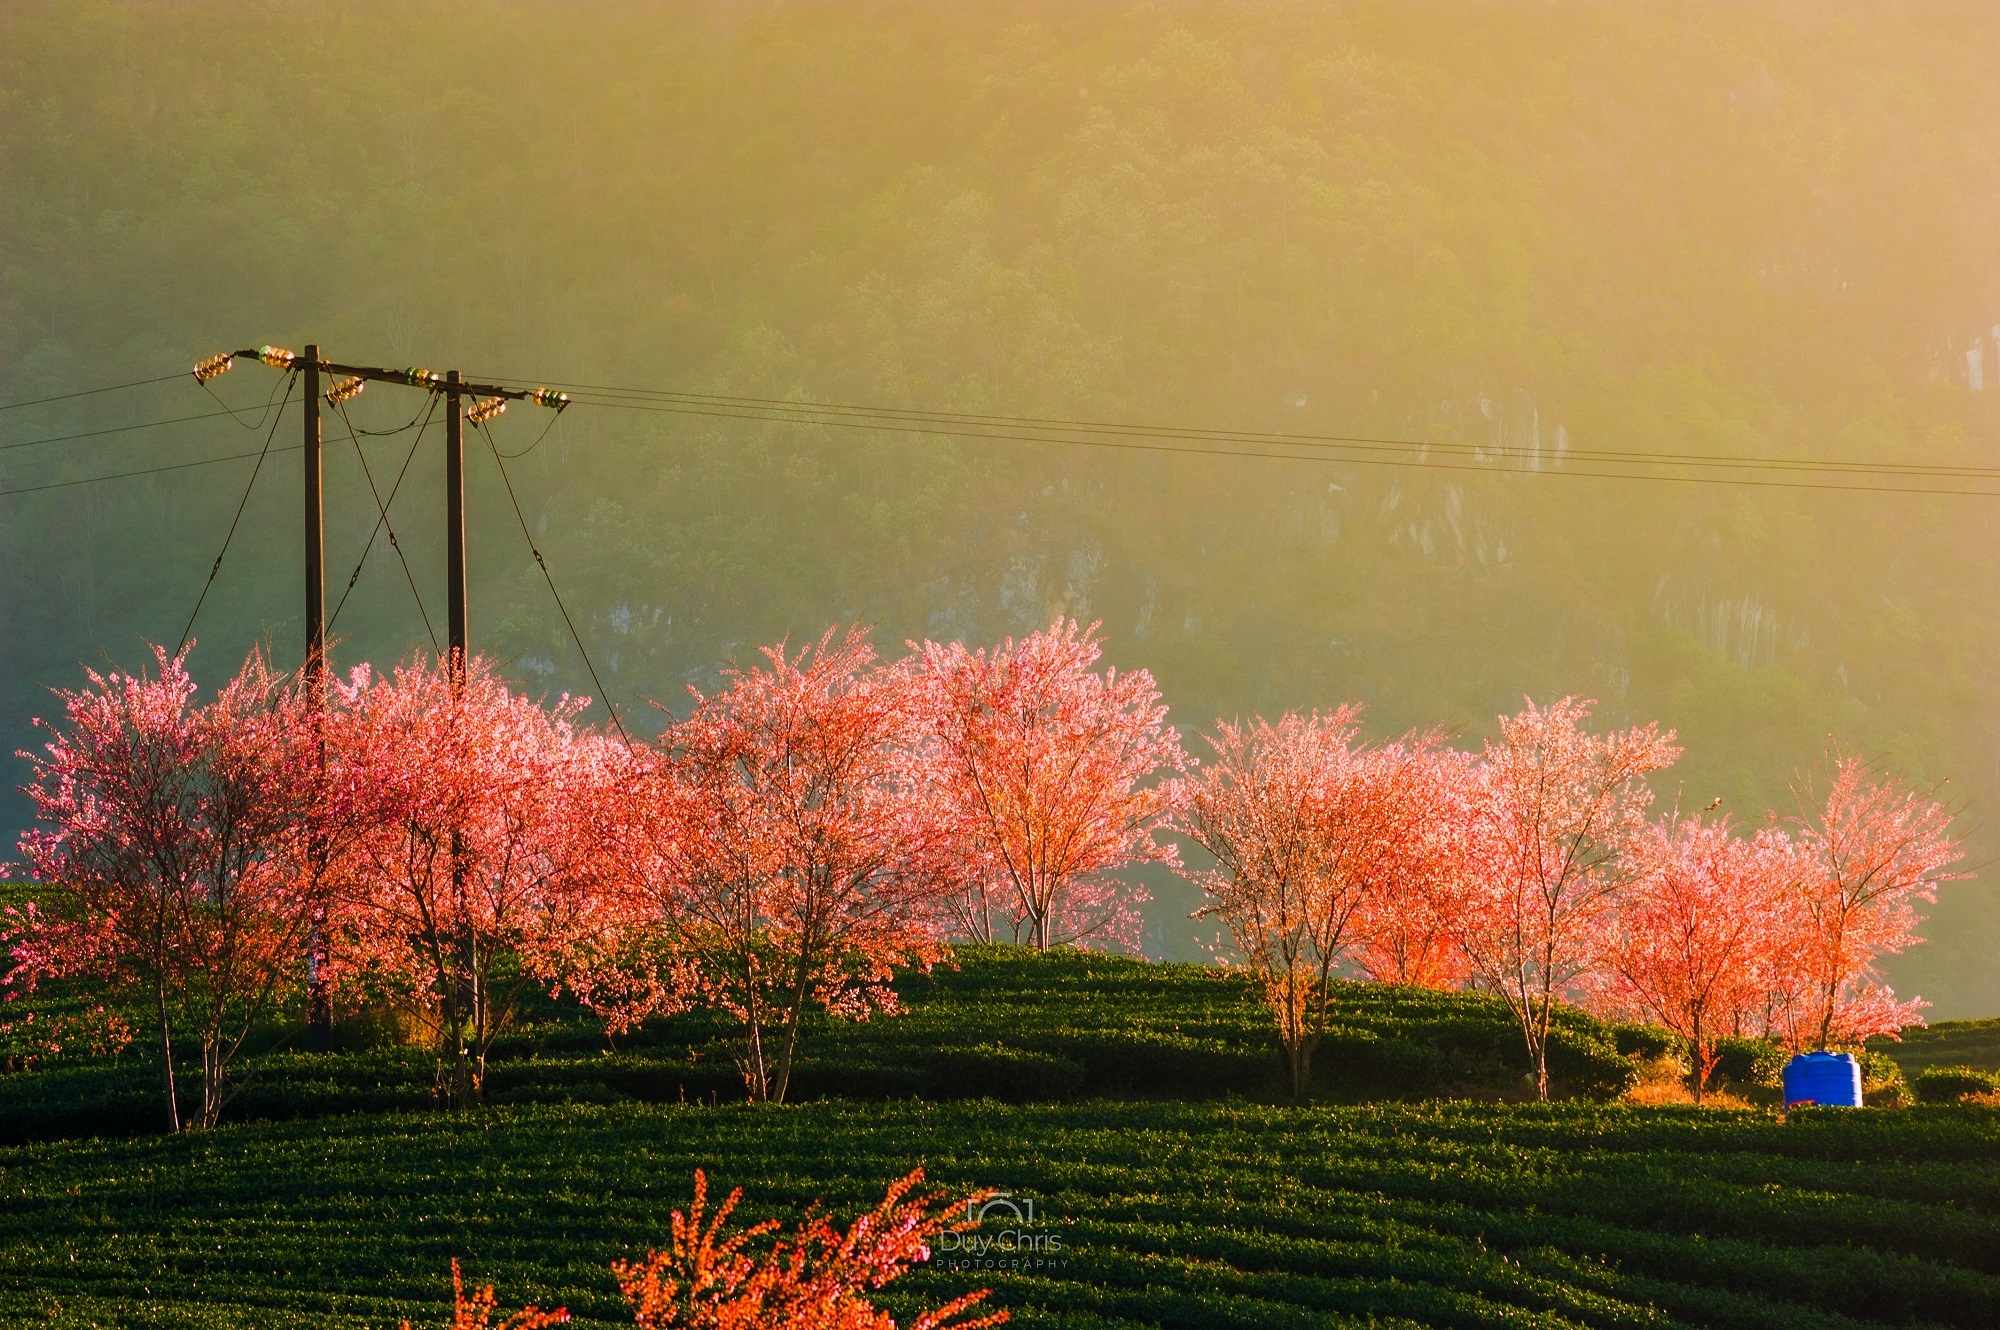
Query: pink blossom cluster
<point x="1532" y="871"/>
<point x="433" y="839"/>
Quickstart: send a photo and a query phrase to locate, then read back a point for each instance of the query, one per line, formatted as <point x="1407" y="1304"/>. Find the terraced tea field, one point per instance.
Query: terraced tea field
<point x="1210" y="1215"/>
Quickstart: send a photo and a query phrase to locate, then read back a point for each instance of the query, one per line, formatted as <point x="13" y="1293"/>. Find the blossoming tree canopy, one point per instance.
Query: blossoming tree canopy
<point x="817" y="860"/>
<point x="1403" y="928"/>
<point x="1047" y="783"/>
<point x="162" y="825"/>
<point x="1868" y="851"/>
<point x="1561" y="808"/>
<point x="476" y="878"/>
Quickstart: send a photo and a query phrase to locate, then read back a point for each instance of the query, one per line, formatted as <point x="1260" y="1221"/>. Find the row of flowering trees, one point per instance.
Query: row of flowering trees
<point x="432" y="839"/>
<point x="1533" y="872"/>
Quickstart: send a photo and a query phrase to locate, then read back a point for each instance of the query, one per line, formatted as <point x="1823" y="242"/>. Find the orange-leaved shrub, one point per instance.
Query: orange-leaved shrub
<point x="476" y="1312"/>
<point x="817" y="1278"/>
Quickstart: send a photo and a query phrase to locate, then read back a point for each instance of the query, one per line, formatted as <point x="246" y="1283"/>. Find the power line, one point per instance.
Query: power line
<point x="232" y="411"/>
<point x="115" y="429"/>
<point x="148" y="471"/>
<point x="89" y="392"/>
<point x="538" y="438"/>
<point x="241" y="504"/>
<point x="1054" y="429"/>
<point x="542" y="564"/>
<point x="803" y="416"/>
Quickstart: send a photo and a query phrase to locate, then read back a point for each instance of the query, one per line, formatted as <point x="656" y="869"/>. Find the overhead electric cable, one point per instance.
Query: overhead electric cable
<point x="241" y="503"/>
<point x="538" y="439"/>
<point x="115" y="429"/>
<point x="148" y="471"/>
<point x="1057" y="430"/>
<point x="88" y="392"/>
<point x="542" y="564"/>
<point x="950" y="421"/>
<point x="382" y="520"/>
<point x="802" y="417"/>
<point x="403" y="428"/>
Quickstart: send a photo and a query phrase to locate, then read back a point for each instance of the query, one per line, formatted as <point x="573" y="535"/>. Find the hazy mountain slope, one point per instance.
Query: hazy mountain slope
<point x="1541" y="229"/>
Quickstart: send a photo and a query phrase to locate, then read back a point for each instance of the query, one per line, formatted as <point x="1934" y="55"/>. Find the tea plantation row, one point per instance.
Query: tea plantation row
<point x="1002" y="1022"/>
<point x="1210" y="1215"/>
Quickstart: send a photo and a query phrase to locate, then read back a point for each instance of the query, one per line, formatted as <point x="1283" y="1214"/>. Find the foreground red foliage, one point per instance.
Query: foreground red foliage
<point x="477" y="1311"/>
<point x="815" y="1279"/>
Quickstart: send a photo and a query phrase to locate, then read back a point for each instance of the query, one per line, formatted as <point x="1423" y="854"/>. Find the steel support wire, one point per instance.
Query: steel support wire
<point x="241" y="504"/>
<point x="382" y="522"/>
<point x="543" y="564"/>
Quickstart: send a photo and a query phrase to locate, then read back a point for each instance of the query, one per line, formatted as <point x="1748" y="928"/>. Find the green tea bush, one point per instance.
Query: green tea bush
<point x="1948" y="1085"/>
<point x="1750" y="1061"/>
<point x="1195" y="1215"/>
<point x="1646" y="1043"/>
<point x="1002" y="1023"/>
<point x="1882" y="1082"/>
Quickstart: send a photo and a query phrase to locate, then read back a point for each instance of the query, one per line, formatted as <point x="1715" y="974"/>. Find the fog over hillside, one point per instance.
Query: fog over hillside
<point x="1531" y="235"/>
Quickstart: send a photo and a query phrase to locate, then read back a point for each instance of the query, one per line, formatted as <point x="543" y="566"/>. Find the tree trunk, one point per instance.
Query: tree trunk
<point x="1535" y="1030"/>
<point x="791" y="1040"/>
<point x="760" y="1085"/>
<point x="319" y="994"/>
<point x="211" y="1082"/>
<point x="783" y="1079"/>
<point x="1697" y="1064"/>
<point x="167" y="1058"/>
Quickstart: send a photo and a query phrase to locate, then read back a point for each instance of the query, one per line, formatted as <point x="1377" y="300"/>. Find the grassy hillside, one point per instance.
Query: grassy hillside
<point x="1187" y="1215"/>
<point x="1003" y="1022"/>
<point x="1946" y="1044"/>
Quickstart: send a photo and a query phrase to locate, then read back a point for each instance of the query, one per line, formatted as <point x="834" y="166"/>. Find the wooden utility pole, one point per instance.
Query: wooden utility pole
<point x="315" y="529"/>
<point x="319" y="998"/>
<point x="454" y="522"/>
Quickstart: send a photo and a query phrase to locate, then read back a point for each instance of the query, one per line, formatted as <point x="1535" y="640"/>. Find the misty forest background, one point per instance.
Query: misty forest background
<point x="1748" y="229"/>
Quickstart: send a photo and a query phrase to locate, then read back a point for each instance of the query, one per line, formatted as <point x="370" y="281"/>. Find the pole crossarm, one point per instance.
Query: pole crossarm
<point x="412" y="377"/>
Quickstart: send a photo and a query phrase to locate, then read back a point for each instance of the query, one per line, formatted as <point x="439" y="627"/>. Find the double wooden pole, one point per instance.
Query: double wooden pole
<point x="319" y="1006"/>
<point x="315" y="526"/>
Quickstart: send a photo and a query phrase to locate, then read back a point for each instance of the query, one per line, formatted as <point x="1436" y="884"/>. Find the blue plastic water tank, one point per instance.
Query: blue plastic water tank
<point x="1823" y="1078"/>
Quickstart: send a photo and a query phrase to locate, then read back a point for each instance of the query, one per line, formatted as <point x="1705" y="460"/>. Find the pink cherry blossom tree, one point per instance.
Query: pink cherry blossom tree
<point x="160" y="851"/>
<point x="1048" y="784"/>
<point x="801" y="858"/>
<point x="1690" y="947"/>
<point x="479" y="875"/>
<point x="1306" y="828"/>
<point x="1561" y="809"/>
<point x="1868" y="850"/>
